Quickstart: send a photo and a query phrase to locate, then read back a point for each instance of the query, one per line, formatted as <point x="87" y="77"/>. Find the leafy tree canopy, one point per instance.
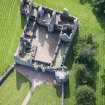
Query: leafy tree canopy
<point x="99" y="5"/>
<point x="85" y="96"/>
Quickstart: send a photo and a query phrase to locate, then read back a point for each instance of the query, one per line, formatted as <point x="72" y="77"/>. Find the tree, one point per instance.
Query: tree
<point x="103" y="90"/>
<point x="99" y="5"/>
<point x="83" y="77"/>
<point x="85" y="50"/>
<point x="85" y="54"/>
<point x="90" y="39"/>
<point x="85" y="96"/>
<point x="103" y="77"/>
<point x="103" y="80"/>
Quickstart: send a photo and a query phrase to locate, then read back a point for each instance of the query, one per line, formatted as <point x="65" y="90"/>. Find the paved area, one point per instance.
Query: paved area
<point x="46" y="44"/>
<point x="36" y="78"/>
<point x="28" y="96"/>
<point x="60" y="55"/>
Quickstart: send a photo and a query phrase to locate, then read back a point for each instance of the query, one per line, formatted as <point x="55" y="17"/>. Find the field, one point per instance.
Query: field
<point x="89" y="22"/>
<point x="14" y="90"/>
<point x="10" y="30"/>
<point x="47" y="96"/>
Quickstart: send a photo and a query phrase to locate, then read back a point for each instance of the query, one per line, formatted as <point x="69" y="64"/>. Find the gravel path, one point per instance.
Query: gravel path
<point x="28" y="96"/>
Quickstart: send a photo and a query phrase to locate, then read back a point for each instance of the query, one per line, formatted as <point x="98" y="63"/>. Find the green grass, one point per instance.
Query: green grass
<point x="13" y="90"/>
<point x="47" y="96"/>
<point x="10" y="30"/>
<point x="88" y="22"/>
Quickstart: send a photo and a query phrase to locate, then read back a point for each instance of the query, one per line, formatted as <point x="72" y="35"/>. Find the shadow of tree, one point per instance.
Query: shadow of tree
<point x="103" y="81"/>
<point x="58" y="90"/>
<point x="103" y="90"/>
<point x="91" y="78"/>
<point x="100" y="18"/>
<point x="86" y="81"/>
<point x="103" y="77"/>
<point x="20" y="80"/>
<point x="66" y="90"/>
<point x="70" y="56"/>
<point x="93" y="68"/>
<point x="84" y="1"/>
<point x="22" y="22"/>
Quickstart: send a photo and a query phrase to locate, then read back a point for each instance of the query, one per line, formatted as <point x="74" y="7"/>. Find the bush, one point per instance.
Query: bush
<point x="103" y="78"/>
<point x="99" y="5"/>
<point x="83" y="76"/>
<point x="103" y="90"/>
<point x="83" y="1"/>
<point x="85" y="50"/>
<point x="89" y="38"/>
<point x="85" y="96"/>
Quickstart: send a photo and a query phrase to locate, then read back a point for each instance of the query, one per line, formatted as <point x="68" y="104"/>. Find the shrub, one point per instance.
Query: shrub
<point x="83" y="1"/>
<point x="103" y="90"/>
<point x="99" y="5"/>
<point x="83" y="76"/>
<point x="85" y="96"/>
<point x="85" y="51"/>
<point x="103" y="77"/>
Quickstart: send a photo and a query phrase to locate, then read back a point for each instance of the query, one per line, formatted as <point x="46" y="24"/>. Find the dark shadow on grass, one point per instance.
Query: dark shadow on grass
<point x="66" y="90"/>
<point x="99" y="15"/>
<point x="91" y="79"/>
<point x="58" y="90"/>
<point x="70" y="56"/>
<point x="93" y="68"/>
<point x="103" y="90"/>
<point x="20" y="80"/>
<point x="85" y="1"/>
<point x="103" y="81"/>
<point x="100" y="19"/>
<point x="89" y="82"/>
<point x="8" y="71"/>
<point x="22" y="22"/>
<point x="103" y="77"/>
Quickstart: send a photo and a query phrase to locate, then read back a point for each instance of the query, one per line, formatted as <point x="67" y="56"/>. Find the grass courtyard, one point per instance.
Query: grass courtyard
<point x="10" y="23"/>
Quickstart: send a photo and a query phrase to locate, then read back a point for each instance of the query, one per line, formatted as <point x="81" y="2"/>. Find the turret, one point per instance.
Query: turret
<point x="25" y="46"/>
<point x="52" y="22"/>
<point x="25" y="7"/>
<point x="62" y="74"/>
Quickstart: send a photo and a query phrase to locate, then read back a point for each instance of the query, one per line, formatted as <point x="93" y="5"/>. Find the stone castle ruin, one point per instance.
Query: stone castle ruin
<point x="46" y="39"/>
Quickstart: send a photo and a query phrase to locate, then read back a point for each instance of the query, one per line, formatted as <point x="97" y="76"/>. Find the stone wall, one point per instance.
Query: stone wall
<point x="9" y="70"/>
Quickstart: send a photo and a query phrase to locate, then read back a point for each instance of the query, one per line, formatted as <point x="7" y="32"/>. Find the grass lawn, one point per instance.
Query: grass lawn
<point x="10" y="30"/>
<point x="13" y="90"/>
<point x="45" y="95"/>
<point x="88" y="22"/>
